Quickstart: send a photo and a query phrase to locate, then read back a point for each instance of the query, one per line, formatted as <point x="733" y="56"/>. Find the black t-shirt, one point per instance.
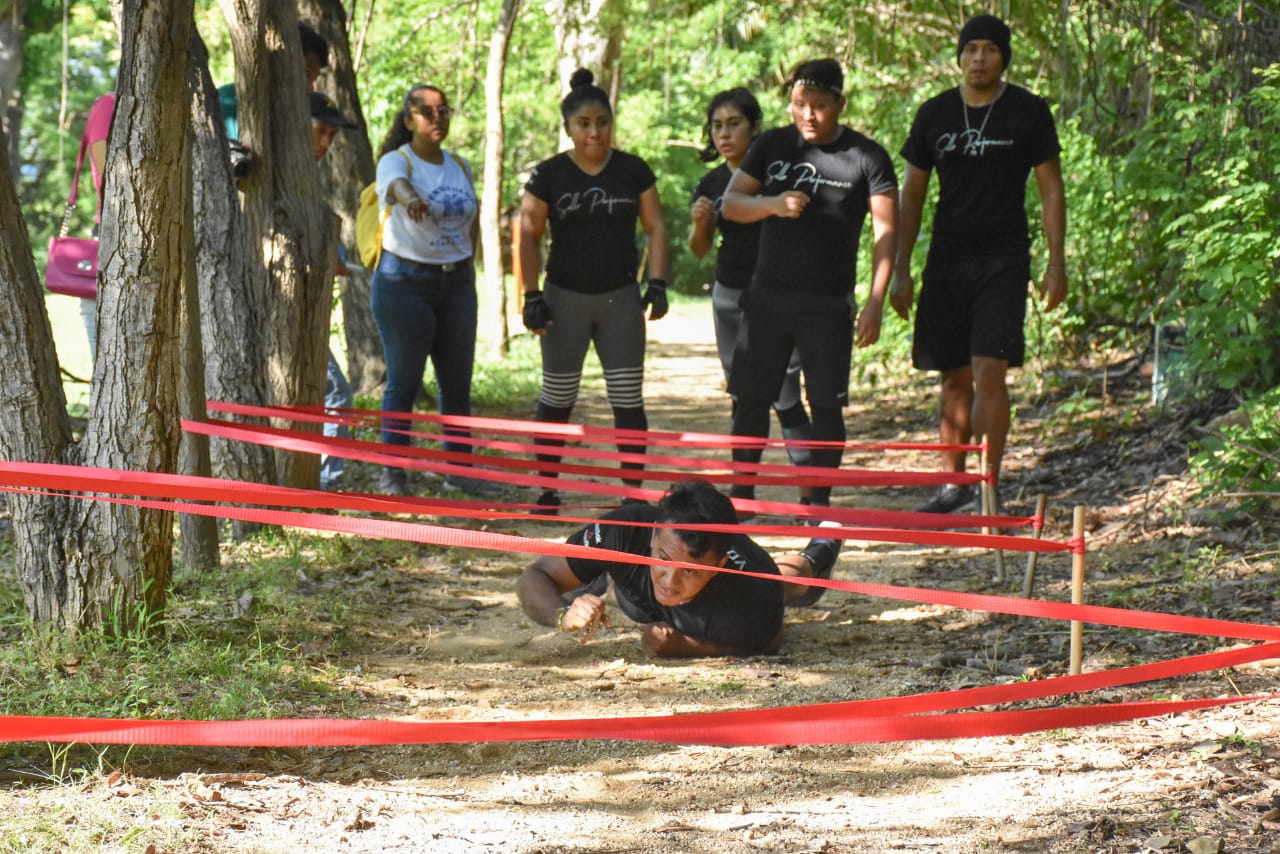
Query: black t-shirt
<point x="739" y="241"/>
<point x="593" y="220"/>
<point x="734" y="611"/>
<point x="817" y="251"/>
<point x="983" y="156"/>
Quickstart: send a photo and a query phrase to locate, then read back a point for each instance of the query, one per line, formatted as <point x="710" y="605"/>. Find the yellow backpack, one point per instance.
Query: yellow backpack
<point x="370" y="222"/>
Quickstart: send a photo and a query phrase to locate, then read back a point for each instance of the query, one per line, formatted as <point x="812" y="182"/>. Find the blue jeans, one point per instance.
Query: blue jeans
<point x="337" y="395"/>
<point x="425" y="310"/>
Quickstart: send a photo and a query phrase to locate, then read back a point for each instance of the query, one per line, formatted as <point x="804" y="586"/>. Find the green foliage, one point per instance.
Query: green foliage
<point x="1169" y="151"/>
<point x="1242" y="459"/>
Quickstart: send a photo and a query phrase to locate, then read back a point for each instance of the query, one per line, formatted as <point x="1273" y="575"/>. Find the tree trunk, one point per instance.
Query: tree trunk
<point x="285" y="215"/>
<point x="491" y="201"/>
<point x="79" y="562"/>
<point x="234" y="359"/>
<point x="589" y="33"/>
<point x="345" y="171"/>
<point x="11" y="14"/>
<point x="198" y="534"/>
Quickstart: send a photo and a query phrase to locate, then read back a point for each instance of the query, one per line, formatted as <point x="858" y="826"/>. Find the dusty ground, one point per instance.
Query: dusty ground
<point x="442" y="639"/>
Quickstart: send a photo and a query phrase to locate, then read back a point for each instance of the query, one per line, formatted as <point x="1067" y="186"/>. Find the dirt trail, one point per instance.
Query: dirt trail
<point x="443" y="639"/>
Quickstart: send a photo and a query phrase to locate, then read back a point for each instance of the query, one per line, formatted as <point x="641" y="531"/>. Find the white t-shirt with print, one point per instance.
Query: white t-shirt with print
<point x="444" y="234"/>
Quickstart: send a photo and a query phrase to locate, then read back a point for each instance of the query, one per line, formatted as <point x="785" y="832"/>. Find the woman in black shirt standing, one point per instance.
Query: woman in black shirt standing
<point x="592" y="196"/>
<point x="733" y="123"/>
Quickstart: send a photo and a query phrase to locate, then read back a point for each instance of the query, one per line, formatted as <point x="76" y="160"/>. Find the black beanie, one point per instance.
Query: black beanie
<point x="987" y="27"/>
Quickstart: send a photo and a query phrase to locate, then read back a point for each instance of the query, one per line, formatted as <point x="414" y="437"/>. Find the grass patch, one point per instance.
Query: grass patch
<point x="250" y="640"/>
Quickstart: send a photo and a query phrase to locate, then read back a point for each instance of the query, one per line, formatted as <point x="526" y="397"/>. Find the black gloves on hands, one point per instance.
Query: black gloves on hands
<point x="655" y="299"/>
<point x="537" y="314"/>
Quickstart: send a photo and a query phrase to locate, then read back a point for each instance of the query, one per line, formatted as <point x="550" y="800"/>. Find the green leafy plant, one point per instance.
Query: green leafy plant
<point x="1241" y="459"/>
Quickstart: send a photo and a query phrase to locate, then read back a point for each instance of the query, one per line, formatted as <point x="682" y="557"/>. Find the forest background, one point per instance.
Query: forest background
<point x="1167" y="113"/>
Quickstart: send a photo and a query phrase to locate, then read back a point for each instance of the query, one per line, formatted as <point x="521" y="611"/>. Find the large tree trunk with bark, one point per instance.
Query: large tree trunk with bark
<point x="345" y="171"/>
<point x="286" y="217"/>
<point x="494" y="146"/>
<point x="198" y="533"/>
<point x="85" y="563"/>
<point x="589" y="33"/>
<point x="235" y="361"/>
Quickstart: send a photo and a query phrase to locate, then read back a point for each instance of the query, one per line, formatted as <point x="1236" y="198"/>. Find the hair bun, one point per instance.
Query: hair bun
<point x="581" y="77"/>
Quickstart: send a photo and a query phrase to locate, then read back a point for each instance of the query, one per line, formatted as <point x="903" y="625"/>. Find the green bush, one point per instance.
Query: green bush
<point x="1241" y="459"/>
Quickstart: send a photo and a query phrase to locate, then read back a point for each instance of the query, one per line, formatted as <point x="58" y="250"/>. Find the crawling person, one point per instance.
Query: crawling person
<point x="685" y="612"/>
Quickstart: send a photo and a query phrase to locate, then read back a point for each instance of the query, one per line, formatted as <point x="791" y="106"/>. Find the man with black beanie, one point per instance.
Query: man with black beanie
<point x="983" y="137"/>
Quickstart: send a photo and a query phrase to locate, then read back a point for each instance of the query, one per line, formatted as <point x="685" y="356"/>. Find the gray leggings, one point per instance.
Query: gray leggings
<point x="614" y="322"/>
<point x="728" y="322"/>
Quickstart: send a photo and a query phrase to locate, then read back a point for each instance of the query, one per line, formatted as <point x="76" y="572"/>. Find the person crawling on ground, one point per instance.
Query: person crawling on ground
<point x="685" y="612"/>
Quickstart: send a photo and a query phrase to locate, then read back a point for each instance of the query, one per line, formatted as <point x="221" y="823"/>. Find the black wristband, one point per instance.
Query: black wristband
<point x="658" y="283"/>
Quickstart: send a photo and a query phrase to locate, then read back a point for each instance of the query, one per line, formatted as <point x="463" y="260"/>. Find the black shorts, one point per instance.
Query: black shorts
<point x="971" y="306"/>
<point x="773" y="325"/>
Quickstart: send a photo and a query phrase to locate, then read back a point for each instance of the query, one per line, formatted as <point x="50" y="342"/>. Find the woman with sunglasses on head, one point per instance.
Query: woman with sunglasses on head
<point x="592" y="196"/>
<point x="423" y="292"/>
<point x="733" y="123"/>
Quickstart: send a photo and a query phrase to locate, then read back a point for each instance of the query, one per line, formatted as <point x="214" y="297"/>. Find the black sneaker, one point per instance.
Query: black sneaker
<point x="548" y="504"/>
<point x="821" y="554"/>
<point x="950" y="498"/>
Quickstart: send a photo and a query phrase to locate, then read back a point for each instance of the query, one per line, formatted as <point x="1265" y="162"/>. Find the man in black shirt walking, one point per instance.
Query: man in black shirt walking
<point x="983" y="137"/>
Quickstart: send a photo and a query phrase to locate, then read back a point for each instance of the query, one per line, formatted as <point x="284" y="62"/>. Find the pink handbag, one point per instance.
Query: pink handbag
<point x="72" y="265"/>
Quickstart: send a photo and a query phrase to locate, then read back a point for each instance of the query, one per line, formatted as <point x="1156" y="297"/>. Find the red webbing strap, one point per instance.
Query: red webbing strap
<point x="334" y="444"/>
<point x="579" y="432"/>
<point x="789" y="725"/>
<point x="822" y="724"/>
<point x="485" y="540"/>
<point x="55" y="476"/>
<point x="714" y="471"/>
<point x="418" y="460"/>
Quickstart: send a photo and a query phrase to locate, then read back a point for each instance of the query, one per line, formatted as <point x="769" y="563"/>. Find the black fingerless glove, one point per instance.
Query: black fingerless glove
<point x="655" y="299"/>
<point x="537" y="314"/>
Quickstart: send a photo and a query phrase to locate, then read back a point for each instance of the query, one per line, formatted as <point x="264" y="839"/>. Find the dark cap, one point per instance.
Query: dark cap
<point x="326" y="112"/>
<point x="989" y="28"/>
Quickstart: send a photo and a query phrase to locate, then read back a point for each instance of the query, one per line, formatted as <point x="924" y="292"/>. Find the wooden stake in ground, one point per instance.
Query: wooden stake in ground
<point x="986" y="507"/>
<point x="1029" y="579"/>
<point x="1077" y="591"/>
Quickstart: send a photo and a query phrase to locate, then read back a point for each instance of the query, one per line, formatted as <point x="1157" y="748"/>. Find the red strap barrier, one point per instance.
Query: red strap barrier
<point x="52" y="476"/>
<point x="485" y="540"/>
<point x="714" y="471"/>
<point x="824" y="724"/>
<point x="790" y="725"/>
<point x="421" y="459"/>
<point x="568" y="432"/>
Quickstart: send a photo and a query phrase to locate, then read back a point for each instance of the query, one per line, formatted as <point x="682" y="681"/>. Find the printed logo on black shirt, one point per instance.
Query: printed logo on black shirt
<point x="970" y="142"/>
<point x="590" y="200"/>
<point x="800" y="175"/>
